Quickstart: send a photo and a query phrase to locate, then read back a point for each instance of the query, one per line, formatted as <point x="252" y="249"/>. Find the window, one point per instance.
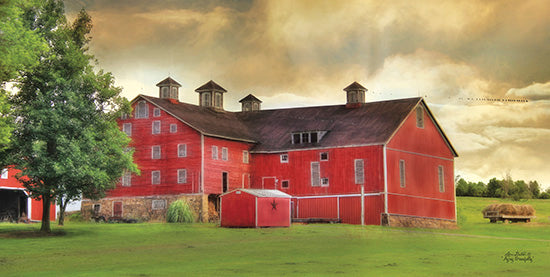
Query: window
<point x="155" y="152"/>
<point x="217" y="99"/>
<point x="206" y="99"/>
<point x="173" y="128"/>
<point x="324" y="156"/>
<point x="245" y="157"/>
<point x="224" y="153"/>
<point x="158" y="204"/>
<point x="182" y="176"/>
<point x="126" y="179"/>
<point x="156" y="112"/>
<point x="419" y="117"/>
<point x="307" y="137"/>
<point x="214" y="152"/>
<point x="174" y="93"/>
<point x="127" y="129"/>
<point x="142" y="110"/>
<point x="182" y="150"/>
<point x="165" y="92"/>
<point x="402" y="173"/>
<point x="156" y="127"/>
<point x="4" y="173"/>
<point x="324" y="182"/>
<point x="315" y="174"/>
<point x="155" y="177"/>
<point x="284" y="184"/>
<point x="359" y="172"/>
<point x="124" y="116"/>
<point x="97" y="208"/>
<point x="284" y="158"/>
<point x="441" y="175"/>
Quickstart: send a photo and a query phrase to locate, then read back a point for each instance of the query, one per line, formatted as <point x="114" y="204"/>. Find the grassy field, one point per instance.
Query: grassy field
<point x="86" y="249"/>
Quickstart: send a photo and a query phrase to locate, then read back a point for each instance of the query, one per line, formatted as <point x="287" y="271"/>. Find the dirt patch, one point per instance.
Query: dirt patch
<point x="31" y="234"/>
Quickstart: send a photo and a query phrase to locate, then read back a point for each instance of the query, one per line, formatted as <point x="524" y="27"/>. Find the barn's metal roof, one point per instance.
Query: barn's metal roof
<point x="263" y="193"/>
<point x="371" y="123"/>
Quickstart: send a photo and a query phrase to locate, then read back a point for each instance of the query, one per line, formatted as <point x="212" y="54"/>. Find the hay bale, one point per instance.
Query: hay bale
<point x="510" y="209"/>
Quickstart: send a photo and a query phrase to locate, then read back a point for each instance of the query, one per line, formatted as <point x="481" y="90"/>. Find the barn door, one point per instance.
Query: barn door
<point x="117" y="209"/>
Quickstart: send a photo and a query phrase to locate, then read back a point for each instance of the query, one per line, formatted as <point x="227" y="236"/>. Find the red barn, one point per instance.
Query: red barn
<point x="322" y="156"/>
<point x="15" y="202"/>
<point x="255" y="208"/>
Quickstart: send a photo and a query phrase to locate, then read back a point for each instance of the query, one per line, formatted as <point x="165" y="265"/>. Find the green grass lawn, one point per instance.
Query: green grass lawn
<point x="89" y="249"/>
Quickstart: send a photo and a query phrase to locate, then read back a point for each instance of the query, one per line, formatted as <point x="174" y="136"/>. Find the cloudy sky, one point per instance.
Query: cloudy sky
<point x="303" y="53"/>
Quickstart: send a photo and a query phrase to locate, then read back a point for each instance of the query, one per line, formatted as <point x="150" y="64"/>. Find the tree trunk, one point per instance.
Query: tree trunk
<point x="46" y="203"/>
<point x="62" y="206"/>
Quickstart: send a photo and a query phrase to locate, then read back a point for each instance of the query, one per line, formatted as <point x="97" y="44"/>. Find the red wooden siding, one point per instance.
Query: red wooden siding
<point x="234" y="165"/>
<point x="238" y="210"/>
<point x="34" y="211"/>
<point x="273" y="214"/>
<point x="340" y="169"/>
<point x="169" y="163"/>
<point x="346" y="208"/>
<point x="423" y="150"/>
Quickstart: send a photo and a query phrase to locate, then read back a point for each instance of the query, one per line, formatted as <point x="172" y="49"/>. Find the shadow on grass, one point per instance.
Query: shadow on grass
<point x="23" y="234"/>
<point x="18" y="231"/>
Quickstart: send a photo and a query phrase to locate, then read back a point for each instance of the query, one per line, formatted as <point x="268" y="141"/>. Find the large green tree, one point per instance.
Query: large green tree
<point x="19" y="50"/>
<point x="66" y="140"/>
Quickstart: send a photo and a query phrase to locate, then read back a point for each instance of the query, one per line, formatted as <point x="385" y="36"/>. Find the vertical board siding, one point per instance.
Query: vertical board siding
<point x="238" y="210"/>
<point x="406" y="205"/>
<point x="339" y="169"/>
<point x="318" y="208"/>
<point x="273" y="214"/>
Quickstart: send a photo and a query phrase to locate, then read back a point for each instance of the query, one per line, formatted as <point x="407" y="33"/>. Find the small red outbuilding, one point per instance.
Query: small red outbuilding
<point x="255" y="208"/>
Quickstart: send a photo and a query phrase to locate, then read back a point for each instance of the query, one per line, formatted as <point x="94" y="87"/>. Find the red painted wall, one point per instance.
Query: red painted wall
<point x="36" y="205"/>
<point x="236" y="169"/>
<point x="169" y="163"/>
<point x="340" y="169"/>
<point x="423" y="150"/>
<point x="238" y="210"/>
<point x="269" y="216"/>
<point x="347" y="208"/>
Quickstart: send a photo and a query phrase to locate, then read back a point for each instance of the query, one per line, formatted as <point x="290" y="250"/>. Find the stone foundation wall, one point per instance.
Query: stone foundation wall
<point x="395" y="220"/>
<point x="146" y="208"/>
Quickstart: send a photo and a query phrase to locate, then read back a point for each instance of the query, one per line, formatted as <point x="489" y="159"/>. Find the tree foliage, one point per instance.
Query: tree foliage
<point x="504" y="188"/>
<point x="66" y="140"/>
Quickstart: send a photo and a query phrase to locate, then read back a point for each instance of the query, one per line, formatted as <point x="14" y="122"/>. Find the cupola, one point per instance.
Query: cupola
<point x="250" y="103"/>
<point x="355" y="95"/>
<point x="168" y="89"/>
<point x="211" y="95"/>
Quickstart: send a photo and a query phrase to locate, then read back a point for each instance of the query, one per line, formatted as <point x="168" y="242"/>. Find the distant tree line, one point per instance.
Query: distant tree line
<point x="504" y="188"/>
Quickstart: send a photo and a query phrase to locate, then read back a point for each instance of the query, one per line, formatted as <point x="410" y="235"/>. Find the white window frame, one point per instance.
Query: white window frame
<point x="126" y="179"/>
<point x="156" y="112"/>
<point x="127" y="129"/>
<point x="315" y="174"/>
<point x="173" y="128"/>
<point x="155" y="127"/>
<point x="165" y="92"/>
<point x="246" y="157"/>
<point x="441" y="177"/>
<point x="402" y="174"/>
<point x="124" y="116"/>
<point x="359" y="170"/>
<point x="142" y="109"/>
<point x="287" y="184"/>
<point x="321" y="156"/>
<point x="324" y="182"/>
<point x="5" y="174"/>
<point x="155" y="180"/>
<point x="284" y="158"/>
<point x="182" y="176"/>
<point x="182" y="150"/>
<point x="214" y="152"/>
<point x="158" y="204"/>
<point x="154" y="150"/>
<point x="225" y="154"/>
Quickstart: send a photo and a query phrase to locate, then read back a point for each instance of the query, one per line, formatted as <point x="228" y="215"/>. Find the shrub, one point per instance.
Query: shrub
<point x="179" y="212"/>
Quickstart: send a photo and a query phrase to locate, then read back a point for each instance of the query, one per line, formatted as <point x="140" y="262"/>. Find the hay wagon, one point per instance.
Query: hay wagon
<point x="495" y="216"/>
